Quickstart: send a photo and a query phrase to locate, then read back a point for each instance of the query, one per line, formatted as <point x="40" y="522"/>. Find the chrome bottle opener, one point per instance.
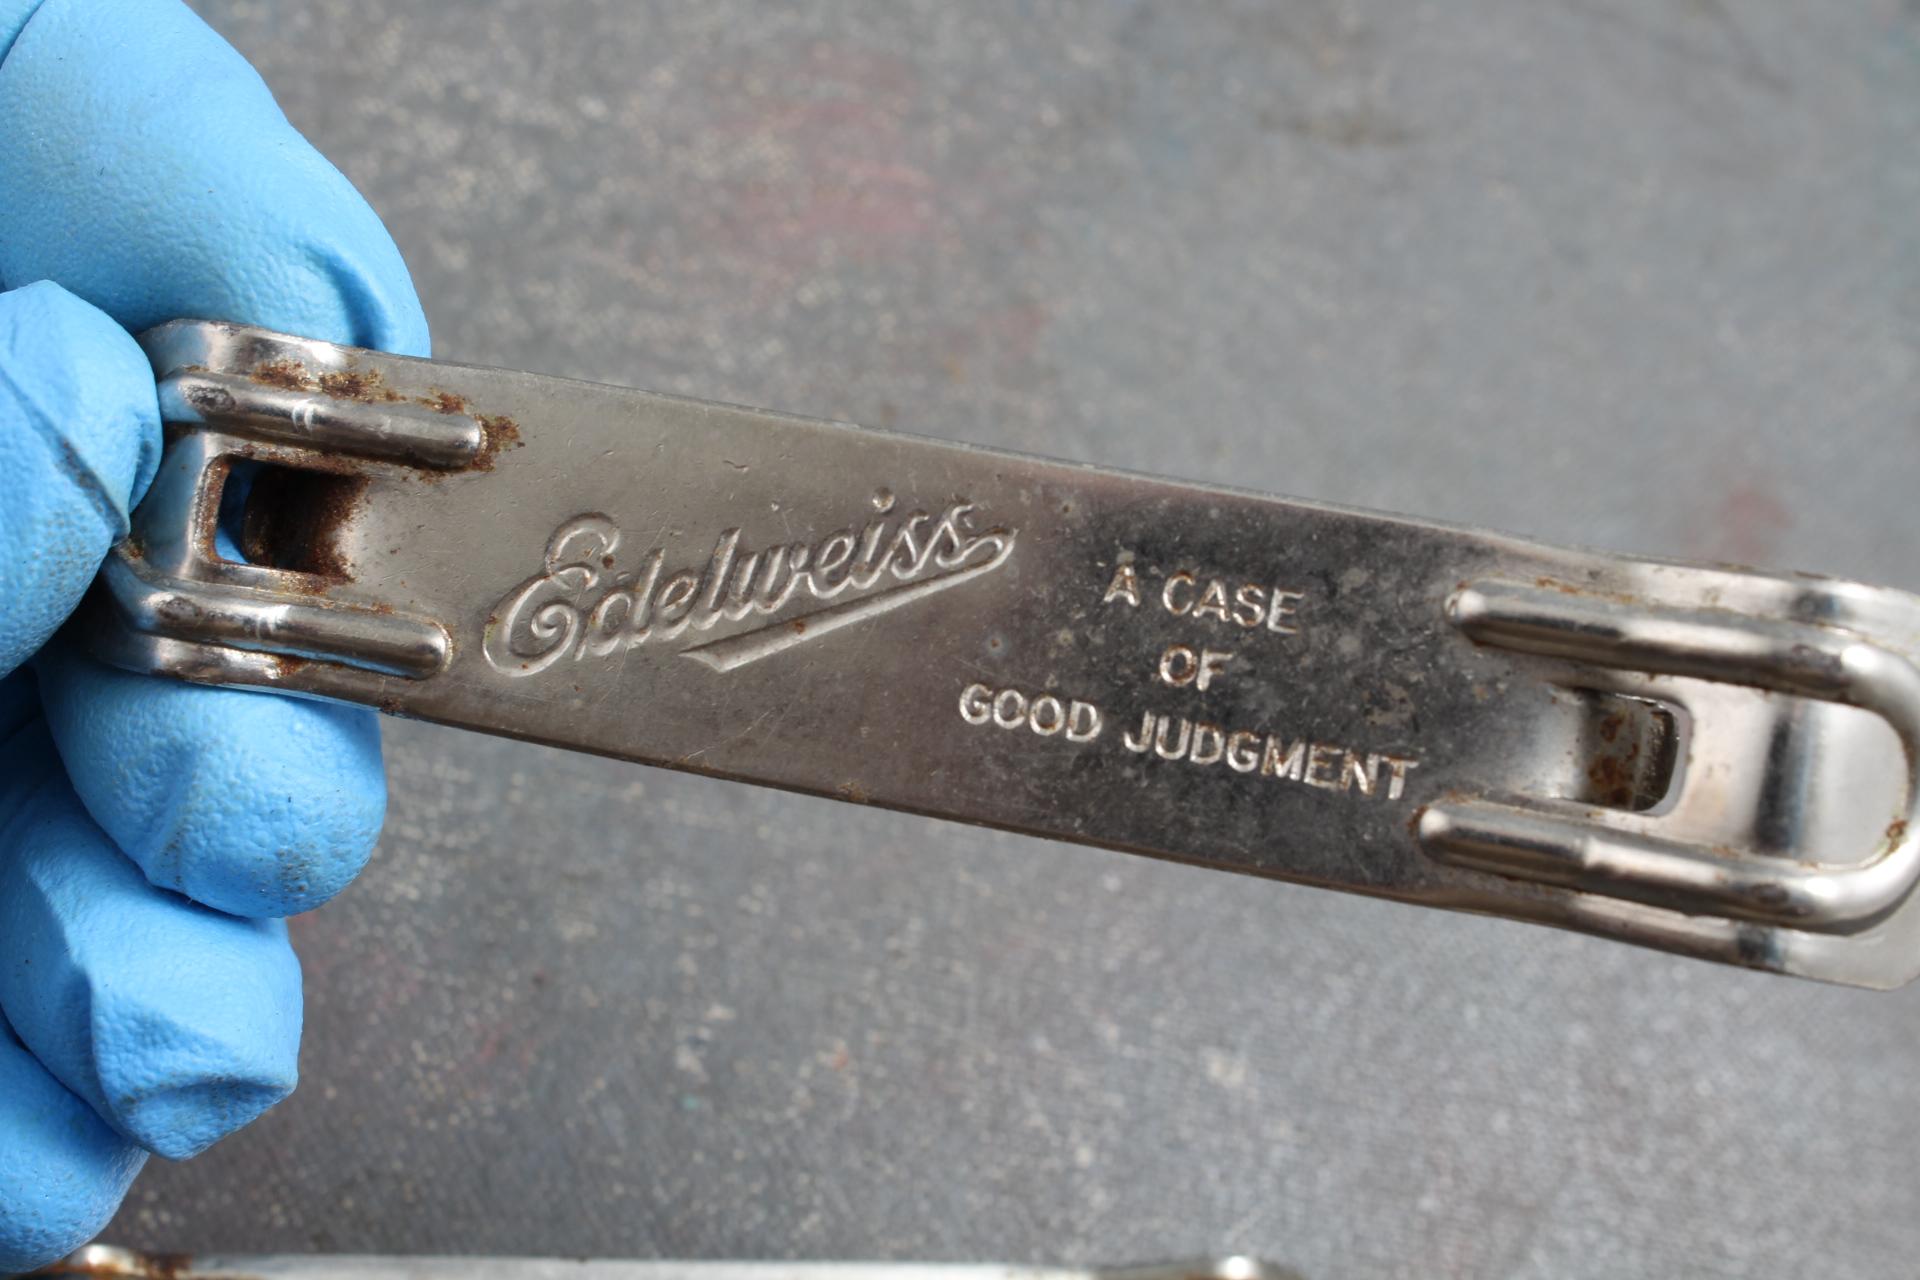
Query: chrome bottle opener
<point x="1709" y="760"/>
<point x="105" y="1262"/>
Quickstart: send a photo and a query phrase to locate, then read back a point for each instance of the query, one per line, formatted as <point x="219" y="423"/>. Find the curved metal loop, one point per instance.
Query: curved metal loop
<point x="249" y="618"/>
<point x="1546" y="843"/>
<point x="355" y="418"/>
<point x="168" y="582"/>
<point x="301" y="392"/>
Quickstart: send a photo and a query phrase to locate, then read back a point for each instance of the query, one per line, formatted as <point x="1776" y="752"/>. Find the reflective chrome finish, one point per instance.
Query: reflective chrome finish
<point x="1606" y="855"/>
<point x="1710" y="760"/>
<point x="308" y="398"/>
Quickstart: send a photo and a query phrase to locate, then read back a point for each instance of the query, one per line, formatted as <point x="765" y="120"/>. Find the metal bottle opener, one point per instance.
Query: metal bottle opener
<point x="1709" y="760"/>
<point x="105" y="1262"/>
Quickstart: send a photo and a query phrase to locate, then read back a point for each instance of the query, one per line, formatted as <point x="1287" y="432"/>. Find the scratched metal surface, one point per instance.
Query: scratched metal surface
<point x="1613" y="272"/>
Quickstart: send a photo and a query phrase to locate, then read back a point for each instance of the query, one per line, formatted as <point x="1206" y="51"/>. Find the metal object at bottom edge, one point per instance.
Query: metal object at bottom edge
<point x="106" y="1262"/>
<point x="1705" y="759"/>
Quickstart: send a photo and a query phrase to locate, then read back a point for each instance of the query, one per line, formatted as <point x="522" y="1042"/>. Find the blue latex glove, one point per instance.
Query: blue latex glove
<point x="151" y="834"/>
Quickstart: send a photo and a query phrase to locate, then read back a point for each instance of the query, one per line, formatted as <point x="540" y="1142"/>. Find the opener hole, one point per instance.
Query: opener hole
<point x="287" y="518"/>
<point x="1627" y="752"/>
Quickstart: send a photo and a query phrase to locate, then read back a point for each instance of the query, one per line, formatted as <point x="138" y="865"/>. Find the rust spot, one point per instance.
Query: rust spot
<point x="289" y="375"/>
<point x="606" y="562"/>
<point x="1588" y="591"/>
<point x="799" y="626"/>
<point x="502" y="433"/>
<point x="1613" y="785"/>
<point x="326" y="463"/>
<point x="121" y="1265"/>
<point x="1615" y="779"/>
<point x="445" y="402"/>
<point x="1610" y="727"/>
<point x="854" y="792"/>
<point x="366" y="387"/>
<point x="206" y="517"/>
<point x="294" y="521"/>
<point x="1896" y="831"/>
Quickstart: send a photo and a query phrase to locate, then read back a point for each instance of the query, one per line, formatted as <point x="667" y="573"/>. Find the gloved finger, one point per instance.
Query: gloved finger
<point x="165" y="182"/>
<point x="62" y="1171"/>
<point x="175" y="1023"/>
<point x="251" y="804"/>
<point x="147" y="168"/>
<point x="79" y="441"/>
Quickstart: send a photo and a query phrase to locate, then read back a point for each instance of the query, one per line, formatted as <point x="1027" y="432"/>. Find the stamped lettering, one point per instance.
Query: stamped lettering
<point x="1328" y="766"/>
<point x="1223" y="601"/>
<point x="1047" y="714"/>
<point x="590" y="600"/>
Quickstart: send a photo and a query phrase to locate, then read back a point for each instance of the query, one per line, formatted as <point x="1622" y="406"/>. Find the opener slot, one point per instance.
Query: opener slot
<point x="288" y="518"/>
<point x="1627" y="753"/>
<point x="1603" y="855"/>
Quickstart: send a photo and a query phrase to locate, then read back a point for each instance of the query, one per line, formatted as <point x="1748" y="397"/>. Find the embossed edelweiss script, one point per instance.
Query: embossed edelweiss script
<point x="588" y="601"/>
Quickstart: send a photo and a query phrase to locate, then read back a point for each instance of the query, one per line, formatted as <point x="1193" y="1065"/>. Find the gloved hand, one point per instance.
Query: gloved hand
<point x="151" y="834"/>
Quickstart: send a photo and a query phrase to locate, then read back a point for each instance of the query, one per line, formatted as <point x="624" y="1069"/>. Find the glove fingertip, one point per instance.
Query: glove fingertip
<point x="179" y="1124"/>
<point x="255" y="805"/>
<point x="67" y="357"/>
<point x="380" y="317"/>
<point x="240" y="218"/>
<point x="63" y="1172"/>
<point x="177" y="1024"/>
<point x="79" y="443"/>
<point x="176" y="1107"/>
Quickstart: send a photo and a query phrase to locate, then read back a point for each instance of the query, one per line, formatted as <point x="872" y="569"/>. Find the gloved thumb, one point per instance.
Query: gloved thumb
<point x="79" y="443"/>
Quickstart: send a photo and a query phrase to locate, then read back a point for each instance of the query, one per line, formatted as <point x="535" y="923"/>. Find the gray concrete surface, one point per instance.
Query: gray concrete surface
<point x="1613" y="272"/>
